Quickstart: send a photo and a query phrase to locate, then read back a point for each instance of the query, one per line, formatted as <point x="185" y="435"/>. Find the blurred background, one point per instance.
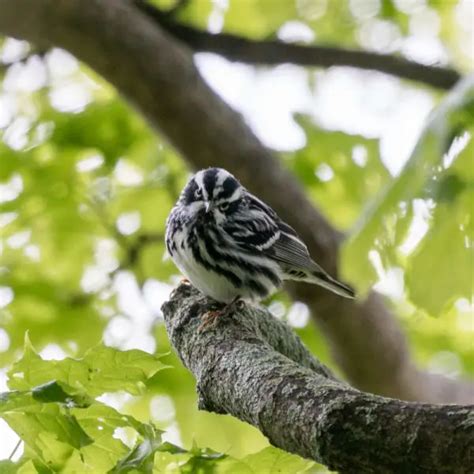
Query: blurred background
<point x="86" y="186"/>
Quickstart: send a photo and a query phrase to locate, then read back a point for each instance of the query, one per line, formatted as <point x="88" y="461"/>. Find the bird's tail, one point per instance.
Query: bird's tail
<point x="321" y="278"/>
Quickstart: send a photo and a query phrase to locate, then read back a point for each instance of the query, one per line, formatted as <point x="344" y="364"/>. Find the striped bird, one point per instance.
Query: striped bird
<point x="231" y="245"/>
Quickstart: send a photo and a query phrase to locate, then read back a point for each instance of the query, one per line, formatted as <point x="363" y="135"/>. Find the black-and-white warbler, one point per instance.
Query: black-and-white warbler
<point x="231" y="245"/>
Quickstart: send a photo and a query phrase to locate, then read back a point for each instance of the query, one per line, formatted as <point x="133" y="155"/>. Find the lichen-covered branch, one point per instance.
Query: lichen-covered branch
<point x="253" y="367"/>
<point x="273" y="52"/>
<point x="156" y="73"/>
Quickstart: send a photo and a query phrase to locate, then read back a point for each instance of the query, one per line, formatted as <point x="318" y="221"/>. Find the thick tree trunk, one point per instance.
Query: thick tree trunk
<point x="157" y="74"/>
<point x="253" y="367"/>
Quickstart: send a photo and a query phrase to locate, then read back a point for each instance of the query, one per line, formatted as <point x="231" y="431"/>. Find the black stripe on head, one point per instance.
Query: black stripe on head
<point x="189" y="193"/>
<point x="209" y="181"/>
<point x="229" y="186"/>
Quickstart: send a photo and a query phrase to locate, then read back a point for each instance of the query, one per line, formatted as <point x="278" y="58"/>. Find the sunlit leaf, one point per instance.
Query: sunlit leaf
<point x="339" y="171"/>
<point x="47" y="428"/>
<point x="268" y="461"/>
<point x="8" y="467"/>
<point x="141" y="457"/>
<point x="425" y="176"/>
<point x="102" y="369"/>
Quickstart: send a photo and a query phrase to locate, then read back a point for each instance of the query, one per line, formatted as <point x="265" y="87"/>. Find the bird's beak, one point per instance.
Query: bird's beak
<point x="208" y="207"/>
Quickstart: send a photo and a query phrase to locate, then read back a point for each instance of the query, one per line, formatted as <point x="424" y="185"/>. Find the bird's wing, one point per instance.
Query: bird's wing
<point x="254" y="227"/>
<point x="261" y="231"/>
<point x="258" y="228"/>
<point x="290" y="250"/>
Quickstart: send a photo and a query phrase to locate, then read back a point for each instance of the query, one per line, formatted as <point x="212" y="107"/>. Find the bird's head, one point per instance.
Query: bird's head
<point x="212" y="192"/>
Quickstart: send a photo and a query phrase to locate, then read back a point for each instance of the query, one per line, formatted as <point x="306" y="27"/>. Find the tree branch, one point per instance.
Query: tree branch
<point x="253" y="367"/>
<point x="273" y="52"/>
<point x="157" y="75"/>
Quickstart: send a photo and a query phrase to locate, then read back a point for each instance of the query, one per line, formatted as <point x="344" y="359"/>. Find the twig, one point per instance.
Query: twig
<point x="15" y="449"/>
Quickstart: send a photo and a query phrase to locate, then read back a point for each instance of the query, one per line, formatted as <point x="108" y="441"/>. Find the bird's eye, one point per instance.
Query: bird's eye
<point x="224" y="206"/>
<point x="198" y="193"/>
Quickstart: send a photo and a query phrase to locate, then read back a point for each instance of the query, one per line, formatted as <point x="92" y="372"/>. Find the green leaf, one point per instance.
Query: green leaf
<point x="171" y="459"/>
<point x="104" y="125"/>
<point x="268" y="461"/>
<point x="353" y="167"/>
<point x="425" y="176"/>
<point x="70" y="436"/>
<point x="448" y="188"/>
<point x="447" y="256"/>
<point x="100" y="422"/>
<point x="34" y="467"/>
<point x="102" y="369"/>
<point x="62" y="393"/>
<point x="47" y="428"/>
<point x="196" y="13"/>
<point x="8" y="467"/>
<point x="141" y="457"/>
<point x="258" y="18"/>
<point x="170" y="463"/>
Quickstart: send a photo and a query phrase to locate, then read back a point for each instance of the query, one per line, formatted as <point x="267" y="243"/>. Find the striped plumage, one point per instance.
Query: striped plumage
<point x="230" y="244"/>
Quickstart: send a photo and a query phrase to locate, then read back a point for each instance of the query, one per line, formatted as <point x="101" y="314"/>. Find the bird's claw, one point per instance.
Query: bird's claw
<point x="210" y="320"/>
<point x="239" y="304"/>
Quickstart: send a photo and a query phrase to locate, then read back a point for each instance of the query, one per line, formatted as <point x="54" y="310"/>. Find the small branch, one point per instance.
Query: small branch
<point x="15" y="449"/>
<point x="273" y="52"/>
<point x="253" y="367"/>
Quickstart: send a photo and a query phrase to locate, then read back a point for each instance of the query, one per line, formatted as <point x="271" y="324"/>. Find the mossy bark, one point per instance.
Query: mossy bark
<point x="253" y="367"/>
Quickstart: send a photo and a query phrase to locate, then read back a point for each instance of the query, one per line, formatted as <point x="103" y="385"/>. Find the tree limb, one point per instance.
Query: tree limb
<point x="253" y="367"/>
<point x="158" y="76"/>
<point x="273" y="52"/>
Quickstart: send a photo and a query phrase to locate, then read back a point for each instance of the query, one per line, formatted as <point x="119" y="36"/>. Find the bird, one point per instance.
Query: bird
<point x="233" y="247"/>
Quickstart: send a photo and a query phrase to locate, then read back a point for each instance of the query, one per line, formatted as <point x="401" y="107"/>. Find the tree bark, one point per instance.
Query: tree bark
<point x="157" y="75"/>
<point x="253" y="367"/>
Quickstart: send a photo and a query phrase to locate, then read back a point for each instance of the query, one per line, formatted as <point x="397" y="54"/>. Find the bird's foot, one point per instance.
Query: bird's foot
<point x="211" y="319"/>
<point x="239" y="304"/>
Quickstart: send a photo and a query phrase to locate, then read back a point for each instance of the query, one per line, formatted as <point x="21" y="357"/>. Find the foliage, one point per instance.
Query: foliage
<point x="341" y="171"/>
<point x="438" y="174"/>
<point x="53" y="406"/>
<point x="85" y="188"/>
